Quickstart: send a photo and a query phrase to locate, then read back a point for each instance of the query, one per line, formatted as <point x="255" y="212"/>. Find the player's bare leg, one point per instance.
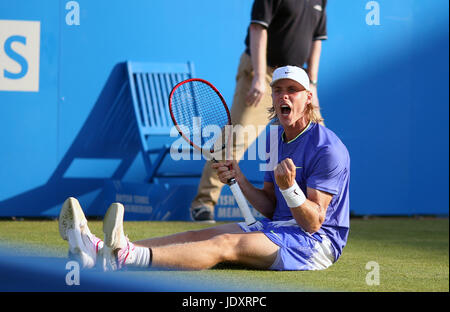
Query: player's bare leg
<point x="252" y="249"/>
<point x="190" y="236"/>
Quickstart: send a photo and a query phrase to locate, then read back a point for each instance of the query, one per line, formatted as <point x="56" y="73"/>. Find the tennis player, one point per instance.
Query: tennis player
<point x="305" y="201"/>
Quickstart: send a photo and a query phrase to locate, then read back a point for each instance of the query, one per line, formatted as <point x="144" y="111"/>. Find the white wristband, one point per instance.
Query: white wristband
<point x="294" y="196"/>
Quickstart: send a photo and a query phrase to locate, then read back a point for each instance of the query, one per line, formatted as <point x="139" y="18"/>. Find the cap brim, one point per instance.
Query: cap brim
<point x="273" y="82"/>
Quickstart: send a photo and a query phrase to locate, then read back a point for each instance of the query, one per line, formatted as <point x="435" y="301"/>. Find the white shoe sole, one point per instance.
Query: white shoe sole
<point x="72" y="223"/>
<point x="71" y="217"/>
<point x="113" y="226"/>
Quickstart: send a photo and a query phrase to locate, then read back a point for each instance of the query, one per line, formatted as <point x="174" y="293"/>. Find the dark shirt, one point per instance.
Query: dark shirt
<point x="292" y="26"/>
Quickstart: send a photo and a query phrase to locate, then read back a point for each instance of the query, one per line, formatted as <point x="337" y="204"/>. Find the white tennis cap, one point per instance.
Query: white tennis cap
<point x="291" y="72"/>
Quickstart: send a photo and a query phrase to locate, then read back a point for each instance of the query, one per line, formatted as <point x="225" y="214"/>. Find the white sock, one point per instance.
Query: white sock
<point x="141" y="257"/>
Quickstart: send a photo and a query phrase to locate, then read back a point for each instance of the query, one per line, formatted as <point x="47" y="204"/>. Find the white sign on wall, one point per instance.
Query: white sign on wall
<point x="19" y="55"/>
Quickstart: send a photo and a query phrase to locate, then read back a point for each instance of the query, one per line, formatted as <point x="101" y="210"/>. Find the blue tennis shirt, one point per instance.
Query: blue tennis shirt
<point x="323" y="163"/>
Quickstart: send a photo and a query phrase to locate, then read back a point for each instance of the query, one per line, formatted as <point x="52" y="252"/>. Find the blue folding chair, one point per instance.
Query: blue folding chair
<point x="150" y="85"/>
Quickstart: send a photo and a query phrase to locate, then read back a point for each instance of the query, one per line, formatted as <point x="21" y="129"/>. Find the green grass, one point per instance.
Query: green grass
<point x="413" y="255"/>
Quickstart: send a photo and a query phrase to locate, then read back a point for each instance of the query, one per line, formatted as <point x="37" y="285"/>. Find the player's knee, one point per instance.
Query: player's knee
<point x="228" y="244"/>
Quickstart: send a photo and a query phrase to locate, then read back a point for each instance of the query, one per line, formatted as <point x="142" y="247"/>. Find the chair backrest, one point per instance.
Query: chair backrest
<point x="150" y="85"/>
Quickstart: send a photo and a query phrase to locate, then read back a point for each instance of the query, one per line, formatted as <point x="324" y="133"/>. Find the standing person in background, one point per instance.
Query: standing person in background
<point x="281" y="32"/>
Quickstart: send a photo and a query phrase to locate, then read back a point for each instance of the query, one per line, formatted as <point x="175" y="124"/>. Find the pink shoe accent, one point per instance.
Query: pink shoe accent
<point x="97" y="242"/>
<point x="123" y="253"/>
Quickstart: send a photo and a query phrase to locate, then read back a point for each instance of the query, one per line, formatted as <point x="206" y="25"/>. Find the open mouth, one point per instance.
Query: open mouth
<point x="285" y="109"/>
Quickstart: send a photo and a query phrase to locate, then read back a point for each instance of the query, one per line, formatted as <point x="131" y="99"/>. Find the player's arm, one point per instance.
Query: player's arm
<point x="320" y="34"/>
<point x="258" y="54"/>
<point x="311" y="214"/>
<point x="309" y="211"/>
<point x="263" y="200"/>
<point x="314" y="60"/>
<point x="313" y="69"/>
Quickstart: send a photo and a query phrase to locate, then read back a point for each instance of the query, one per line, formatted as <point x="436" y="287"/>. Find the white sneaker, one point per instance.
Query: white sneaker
<point x="83" y="245"/>
<point x="118" y="250"/>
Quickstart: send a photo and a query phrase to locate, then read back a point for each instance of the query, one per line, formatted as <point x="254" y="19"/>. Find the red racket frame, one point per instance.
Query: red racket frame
<point x="173" y="117"/>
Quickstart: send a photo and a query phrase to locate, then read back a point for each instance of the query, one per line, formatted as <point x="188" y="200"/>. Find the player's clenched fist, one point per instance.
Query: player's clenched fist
<point x="285" y="174"/>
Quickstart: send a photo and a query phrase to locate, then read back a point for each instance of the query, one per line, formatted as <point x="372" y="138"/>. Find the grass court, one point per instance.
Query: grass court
<point x="412" y="255"/>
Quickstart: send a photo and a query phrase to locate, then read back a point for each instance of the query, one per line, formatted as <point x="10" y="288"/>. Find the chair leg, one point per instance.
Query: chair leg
<point x="158" y="161"/>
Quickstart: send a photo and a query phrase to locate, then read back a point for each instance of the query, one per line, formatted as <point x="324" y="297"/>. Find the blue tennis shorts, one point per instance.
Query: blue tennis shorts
<point x="299" y="250"/>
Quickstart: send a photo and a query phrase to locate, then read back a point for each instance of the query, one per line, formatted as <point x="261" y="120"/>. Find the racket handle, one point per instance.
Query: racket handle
<point x="240" y="199"/>
<point x="242" y="202"/>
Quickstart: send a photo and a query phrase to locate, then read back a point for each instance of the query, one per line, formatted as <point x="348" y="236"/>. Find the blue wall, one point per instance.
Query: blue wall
<point x="383" y="88"/>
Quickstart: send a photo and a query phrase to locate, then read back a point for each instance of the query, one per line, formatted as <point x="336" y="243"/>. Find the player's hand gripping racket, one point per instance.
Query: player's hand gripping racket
<point x="196" y="107"/>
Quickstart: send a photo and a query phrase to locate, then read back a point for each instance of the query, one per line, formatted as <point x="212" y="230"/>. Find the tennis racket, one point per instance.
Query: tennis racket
<point x="197" y="107"/>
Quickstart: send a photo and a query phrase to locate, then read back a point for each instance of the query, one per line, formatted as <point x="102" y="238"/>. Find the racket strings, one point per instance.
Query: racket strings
<point x="197" y="107"/>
